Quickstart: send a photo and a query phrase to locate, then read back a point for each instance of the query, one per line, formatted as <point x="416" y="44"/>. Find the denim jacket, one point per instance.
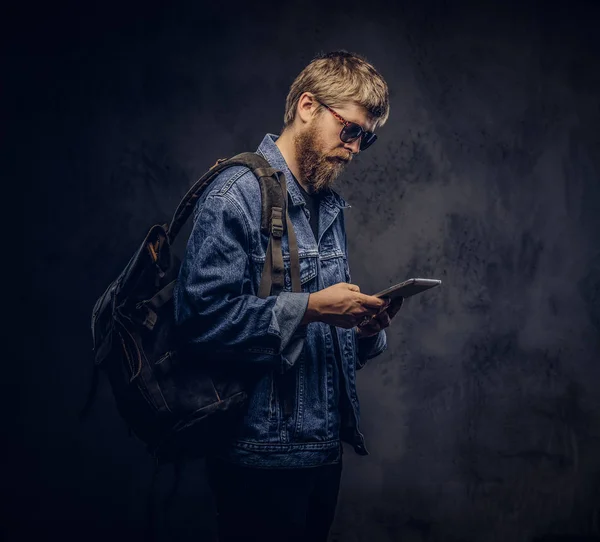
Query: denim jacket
<point x="305" y="402"/>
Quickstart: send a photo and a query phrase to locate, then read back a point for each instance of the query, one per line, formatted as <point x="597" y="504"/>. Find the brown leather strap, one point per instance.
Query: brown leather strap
<point x="162" y="296"/>
<point x="265" y="172"/>
<point x="186" y="206"/>
<point x="272" y="279"/>
<point x="292" y="242"/>
<point x="277" y="269"/>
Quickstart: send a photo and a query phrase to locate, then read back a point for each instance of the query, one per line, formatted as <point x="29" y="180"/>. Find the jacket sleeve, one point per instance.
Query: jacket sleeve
<point x="215" y="312"/>
<point x="369" y="347"/>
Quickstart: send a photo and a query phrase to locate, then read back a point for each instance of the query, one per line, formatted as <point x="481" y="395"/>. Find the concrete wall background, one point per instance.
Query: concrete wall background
<point x="482" y="418"/>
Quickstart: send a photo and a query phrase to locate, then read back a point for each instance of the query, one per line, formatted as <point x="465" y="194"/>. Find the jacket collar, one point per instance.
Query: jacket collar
<point x="268" y="150"/>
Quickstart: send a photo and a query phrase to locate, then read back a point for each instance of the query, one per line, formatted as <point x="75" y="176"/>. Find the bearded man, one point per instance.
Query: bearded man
<point x="278" y="478"/>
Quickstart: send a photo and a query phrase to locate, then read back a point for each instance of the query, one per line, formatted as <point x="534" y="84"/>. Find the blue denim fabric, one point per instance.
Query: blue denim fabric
<point x="216" y="295"/>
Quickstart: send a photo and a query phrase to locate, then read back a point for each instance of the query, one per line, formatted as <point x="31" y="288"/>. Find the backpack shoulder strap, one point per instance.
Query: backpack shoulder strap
<point x="274" y="209"/>
<point x="273" y="189"/>
<point x="186" y="205"/>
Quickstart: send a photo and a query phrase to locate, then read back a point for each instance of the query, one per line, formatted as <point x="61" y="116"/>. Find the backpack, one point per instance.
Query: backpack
<point x="181" y="409"/>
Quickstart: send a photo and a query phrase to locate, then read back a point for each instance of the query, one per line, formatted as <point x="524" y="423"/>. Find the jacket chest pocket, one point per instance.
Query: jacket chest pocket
<point x="308" y="273"/>
<point x="337" y="269"/>
<point x="346" y="270"/>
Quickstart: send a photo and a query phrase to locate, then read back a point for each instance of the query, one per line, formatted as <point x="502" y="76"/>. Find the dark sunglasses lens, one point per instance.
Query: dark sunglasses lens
<point x="367" y="140"/>
<point x="350" y="133"/>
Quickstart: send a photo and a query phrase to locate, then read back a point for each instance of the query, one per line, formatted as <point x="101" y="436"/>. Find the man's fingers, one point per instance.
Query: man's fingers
<point x="353" y="287"/>
<point x="385" y="307"/>
<point x="395" y="306"/>
<point x="372" y="302"/>
<point x="372" y="326"/>
<point x="384" y="320"/>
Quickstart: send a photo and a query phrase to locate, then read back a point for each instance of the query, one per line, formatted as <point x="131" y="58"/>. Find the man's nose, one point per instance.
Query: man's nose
<point x="353" y="147"/>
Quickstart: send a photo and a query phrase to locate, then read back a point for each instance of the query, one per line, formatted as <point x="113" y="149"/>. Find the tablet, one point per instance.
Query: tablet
<point x="409" y="287"/>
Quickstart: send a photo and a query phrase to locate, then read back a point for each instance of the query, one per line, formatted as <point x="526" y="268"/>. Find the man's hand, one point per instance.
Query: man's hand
<point x="380" y="321"/>
<point x="342" y="305"/>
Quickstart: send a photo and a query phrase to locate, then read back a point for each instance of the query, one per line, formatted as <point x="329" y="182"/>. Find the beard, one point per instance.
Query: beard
<point x="316" y="167"/>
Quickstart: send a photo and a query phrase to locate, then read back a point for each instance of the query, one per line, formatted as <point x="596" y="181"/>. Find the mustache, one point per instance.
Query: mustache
<point x="345" y="158"/>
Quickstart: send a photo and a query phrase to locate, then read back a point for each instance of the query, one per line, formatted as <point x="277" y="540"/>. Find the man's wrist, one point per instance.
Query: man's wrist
<point x="312" y="313"/>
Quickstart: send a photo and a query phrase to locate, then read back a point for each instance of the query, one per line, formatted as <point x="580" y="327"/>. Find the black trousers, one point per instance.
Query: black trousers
<point x="273" y="504"/>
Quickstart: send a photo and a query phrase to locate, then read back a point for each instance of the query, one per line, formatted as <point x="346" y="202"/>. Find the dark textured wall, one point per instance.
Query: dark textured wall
<point x="483" y="417"/>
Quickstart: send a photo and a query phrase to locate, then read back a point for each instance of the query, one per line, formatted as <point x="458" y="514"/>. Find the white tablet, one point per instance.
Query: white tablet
<point x="409" y="287"/>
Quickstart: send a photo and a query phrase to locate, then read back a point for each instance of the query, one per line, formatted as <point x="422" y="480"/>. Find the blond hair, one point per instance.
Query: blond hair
<point x="339" y="77"/>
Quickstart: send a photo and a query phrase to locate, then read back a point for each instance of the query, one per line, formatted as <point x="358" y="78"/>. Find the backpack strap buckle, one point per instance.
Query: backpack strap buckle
<point x="150" y="319"/>
<point x="277" y="222"/>
<point x="149" y="316"/>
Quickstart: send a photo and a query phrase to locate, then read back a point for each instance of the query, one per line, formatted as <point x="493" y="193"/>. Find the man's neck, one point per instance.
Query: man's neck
<point x="285" y="144"/>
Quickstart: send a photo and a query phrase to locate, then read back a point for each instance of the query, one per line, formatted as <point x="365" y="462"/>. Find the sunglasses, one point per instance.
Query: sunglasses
<point x="352" y="131"/>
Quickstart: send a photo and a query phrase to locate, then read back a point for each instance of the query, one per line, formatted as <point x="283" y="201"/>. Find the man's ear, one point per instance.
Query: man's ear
<point x="306" y="107"/>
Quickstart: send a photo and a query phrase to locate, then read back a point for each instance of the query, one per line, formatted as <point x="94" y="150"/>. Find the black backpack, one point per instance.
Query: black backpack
<point x="180" y="408"/>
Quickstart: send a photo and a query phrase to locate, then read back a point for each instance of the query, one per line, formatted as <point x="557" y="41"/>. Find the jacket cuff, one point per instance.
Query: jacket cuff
<point x="289" y="310"/>
<point x="369" y="347"/>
